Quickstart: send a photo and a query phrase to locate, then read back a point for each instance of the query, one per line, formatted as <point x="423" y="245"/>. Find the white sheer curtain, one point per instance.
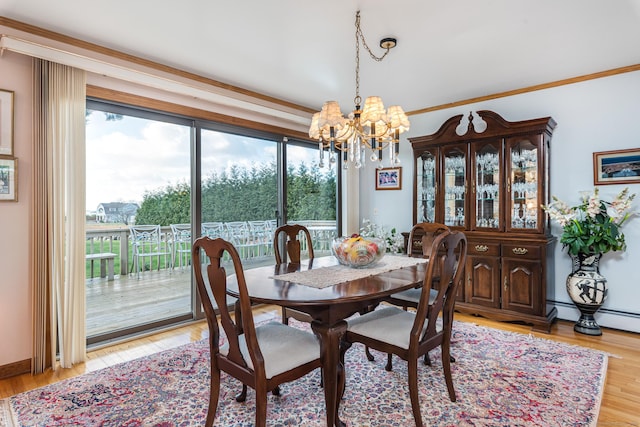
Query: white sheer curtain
<point x="59" y="215"/>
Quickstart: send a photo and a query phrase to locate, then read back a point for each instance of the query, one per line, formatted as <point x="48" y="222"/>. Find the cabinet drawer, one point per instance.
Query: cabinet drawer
<point x="479" y="248"/>
<point x="521" y="251"/>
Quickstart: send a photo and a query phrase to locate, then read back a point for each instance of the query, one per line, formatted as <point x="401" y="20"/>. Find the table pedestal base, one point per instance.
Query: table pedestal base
<point x="332" y="368"/>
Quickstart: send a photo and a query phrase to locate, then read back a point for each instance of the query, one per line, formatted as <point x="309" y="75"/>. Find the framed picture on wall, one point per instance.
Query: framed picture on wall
<point x="389" y="179"/>
<point x="616" y="167"/>
<point x="6" y="123"/>
<point x="8" y="179"/>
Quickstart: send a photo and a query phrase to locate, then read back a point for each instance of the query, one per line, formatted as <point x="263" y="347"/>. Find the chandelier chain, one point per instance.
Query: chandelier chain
<point x="360" y="36"/>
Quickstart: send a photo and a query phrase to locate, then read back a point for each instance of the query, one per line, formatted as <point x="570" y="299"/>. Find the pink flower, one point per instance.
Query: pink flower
<point x="593" y="208"/>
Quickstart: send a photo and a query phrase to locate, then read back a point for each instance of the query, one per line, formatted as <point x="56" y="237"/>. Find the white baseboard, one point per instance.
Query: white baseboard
<point x="609" y="319"/>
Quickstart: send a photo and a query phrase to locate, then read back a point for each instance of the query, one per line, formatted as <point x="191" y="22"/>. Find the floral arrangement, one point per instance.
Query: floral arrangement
<point x="394" y="240"/>
<point x="593" y="226"/>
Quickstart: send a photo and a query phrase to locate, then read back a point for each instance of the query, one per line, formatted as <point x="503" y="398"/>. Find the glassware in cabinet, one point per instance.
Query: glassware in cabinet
<point x="455" y="185"/>
<point x="426" y="167"/>
<point x="522" y="184"/>
<point x="487" y="184"/>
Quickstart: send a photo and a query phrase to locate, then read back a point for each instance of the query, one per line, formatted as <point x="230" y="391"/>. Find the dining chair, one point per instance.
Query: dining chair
<point x="420" y="245"/>
<point x="411" y="334"/>
<point x="261" y="357"/>
<point x="294" y="254"/>
<point x="180" y="244"/>
<point x="148" y="242"/>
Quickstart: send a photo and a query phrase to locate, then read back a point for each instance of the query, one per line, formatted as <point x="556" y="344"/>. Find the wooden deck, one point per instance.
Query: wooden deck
<point x="128" y="301"/>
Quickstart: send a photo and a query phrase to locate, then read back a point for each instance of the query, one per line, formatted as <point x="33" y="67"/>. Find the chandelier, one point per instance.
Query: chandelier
<point x="370" y="129"/>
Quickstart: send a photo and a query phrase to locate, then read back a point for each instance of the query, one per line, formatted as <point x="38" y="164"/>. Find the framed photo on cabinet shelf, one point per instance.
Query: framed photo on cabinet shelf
<point x="616" y="167"/>
<point x="389" y="178"/>
<point x="6" y="123"/>
<point x="8" y="179"/>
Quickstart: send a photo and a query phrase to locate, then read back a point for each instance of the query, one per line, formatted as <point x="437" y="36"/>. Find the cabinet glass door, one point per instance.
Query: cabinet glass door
<point x="523" y="184"/>
<point x="454" y="186"/>
<point x="426" y="187"/>
<point x="487" y="161"/>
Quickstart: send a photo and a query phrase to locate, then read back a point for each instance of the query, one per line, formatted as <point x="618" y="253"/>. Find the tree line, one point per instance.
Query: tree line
<point x="245" y="194"/>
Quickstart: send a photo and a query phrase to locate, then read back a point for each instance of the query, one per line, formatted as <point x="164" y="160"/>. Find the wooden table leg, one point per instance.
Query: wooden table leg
<point x="332" y="367"/>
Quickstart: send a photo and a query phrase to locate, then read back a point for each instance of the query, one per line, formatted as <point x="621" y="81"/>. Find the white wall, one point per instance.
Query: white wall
<point x="597" y="115"/>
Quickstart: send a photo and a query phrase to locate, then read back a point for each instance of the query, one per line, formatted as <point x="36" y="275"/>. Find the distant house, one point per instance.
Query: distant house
<point x="117" y="212"/>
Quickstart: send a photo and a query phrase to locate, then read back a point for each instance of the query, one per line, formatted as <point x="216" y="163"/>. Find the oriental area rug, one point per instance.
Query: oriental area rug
<point x="501" y="379"/>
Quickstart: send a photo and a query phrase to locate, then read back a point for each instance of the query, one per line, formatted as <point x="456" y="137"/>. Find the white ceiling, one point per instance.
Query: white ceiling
<point x="303" y="51"/>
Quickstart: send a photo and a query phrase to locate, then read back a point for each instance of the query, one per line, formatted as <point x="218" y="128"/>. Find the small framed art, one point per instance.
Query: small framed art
<point x="6" y="123"/>
<point x="616" y="167"/>
<point x="8" y="179"/>
<point x="389" y="179"/>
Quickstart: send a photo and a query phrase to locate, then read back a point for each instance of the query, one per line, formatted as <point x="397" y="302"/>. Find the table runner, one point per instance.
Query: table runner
<point x="328" y="276"/>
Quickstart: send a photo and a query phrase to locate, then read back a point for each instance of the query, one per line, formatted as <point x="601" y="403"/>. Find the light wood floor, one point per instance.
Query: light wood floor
<point x="620" y="403"/>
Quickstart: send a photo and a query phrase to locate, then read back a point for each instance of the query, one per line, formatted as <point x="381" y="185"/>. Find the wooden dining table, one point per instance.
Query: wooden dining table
<point x="328" y="306"/>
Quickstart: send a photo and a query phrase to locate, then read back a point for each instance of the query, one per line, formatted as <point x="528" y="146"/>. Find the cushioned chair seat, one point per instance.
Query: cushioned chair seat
<point x="283" y="348"/>
<point x="413" y="295"/>
<point x="391" y="325"/>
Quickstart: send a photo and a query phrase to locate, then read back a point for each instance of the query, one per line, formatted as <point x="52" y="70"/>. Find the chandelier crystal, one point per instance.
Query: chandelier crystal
<point x="370" y="129"/>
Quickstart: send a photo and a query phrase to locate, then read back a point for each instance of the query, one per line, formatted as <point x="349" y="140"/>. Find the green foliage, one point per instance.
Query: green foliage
<point x="170" y="205"/>
<point x="600" y="236"/>
<point x="310" y="196"/>
<point x="245" y="194"/>
<point x="593" y="226"/>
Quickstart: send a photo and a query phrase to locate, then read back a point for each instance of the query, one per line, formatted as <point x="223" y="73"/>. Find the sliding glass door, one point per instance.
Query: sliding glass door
<point x="137" y="188"/>
<point x="239" y="193"/>
<point x="142" y="214"/>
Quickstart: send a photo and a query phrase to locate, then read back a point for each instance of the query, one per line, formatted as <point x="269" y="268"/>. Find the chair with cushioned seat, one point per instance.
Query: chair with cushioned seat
<point x="294" y="253"/>
<point x="420" y="240"/>
<point x="261" y="357"/>
<point x="426" y="232"/>
<point x="412" y="334"/>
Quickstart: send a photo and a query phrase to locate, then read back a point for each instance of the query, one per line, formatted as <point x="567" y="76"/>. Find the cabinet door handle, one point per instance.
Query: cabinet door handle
<point x="482" y="248"/>
<point x="506" y="284"/>
<point x="508" y="185"/>
<point x="519" y="251"/>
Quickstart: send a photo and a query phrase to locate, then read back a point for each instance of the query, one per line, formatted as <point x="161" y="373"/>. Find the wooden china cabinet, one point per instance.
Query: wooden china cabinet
<point x="490" y="182"/>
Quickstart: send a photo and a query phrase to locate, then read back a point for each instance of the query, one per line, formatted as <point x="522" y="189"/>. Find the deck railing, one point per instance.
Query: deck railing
<point x="254" y="243"/>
